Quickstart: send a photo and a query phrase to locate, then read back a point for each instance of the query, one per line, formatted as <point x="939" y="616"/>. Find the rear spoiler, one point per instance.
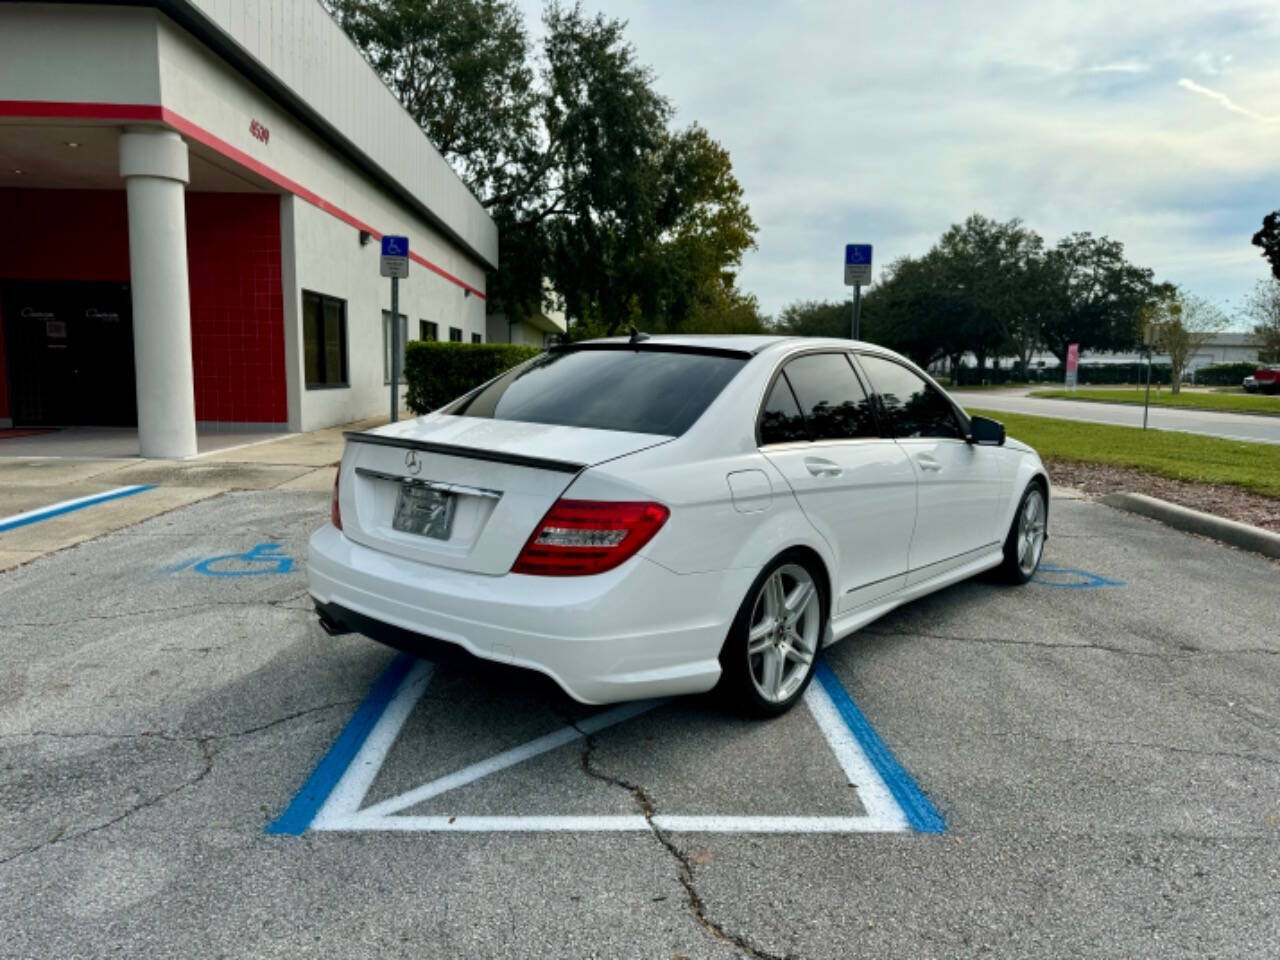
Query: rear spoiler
<point x="469" y="453"/>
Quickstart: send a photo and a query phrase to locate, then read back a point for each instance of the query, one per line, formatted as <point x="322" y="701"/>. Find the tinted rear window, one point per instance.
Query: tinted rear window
<point x="638" y="391"/>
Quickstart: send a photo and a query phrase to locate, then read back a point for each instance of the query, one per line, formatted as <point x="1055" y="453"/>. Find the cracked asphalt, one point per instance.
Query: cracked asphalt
<point x="1107" y="761"/>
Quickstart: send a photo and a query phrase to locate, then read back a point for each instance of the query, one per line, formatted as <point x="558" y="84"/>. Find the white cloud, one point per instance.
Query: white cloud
<point x="1226" y="101"/>
<point x="1121" y="66"/>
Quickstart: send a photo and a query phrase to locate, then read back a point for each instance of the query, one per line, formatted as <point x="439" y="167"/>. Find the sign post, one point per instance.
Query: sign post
<point x="1073" y="364"/>
<point x="1148" y="339"/>
<point x="395" y="264"/>
<point x="857" y="271"/>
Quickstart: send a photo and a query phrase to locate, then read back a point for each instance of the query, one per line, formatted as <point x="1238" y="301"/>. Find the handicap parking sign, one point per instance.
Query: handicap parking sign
<point x="395" y="257"/>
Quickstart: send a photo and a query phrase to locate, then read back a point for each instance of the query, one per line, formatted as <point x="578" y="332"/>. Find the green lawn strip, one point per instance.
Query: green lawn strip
<point x="1179" y="456"/>
<point x="1230" y="402"/>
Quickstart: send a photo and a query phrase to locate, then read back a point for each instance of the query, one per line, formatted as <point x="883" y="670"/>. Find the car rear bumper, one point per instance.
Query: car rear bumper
<point x="637" y="631"/>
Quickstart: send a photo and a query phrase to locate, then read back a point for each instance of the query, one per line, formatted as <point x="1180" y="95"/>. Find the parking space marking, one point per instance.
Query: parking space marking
<point x="262" y="559"/>
<point x="332" y="798"/>
<point x="1072" y="578"/>
<point x="69" y="506"/>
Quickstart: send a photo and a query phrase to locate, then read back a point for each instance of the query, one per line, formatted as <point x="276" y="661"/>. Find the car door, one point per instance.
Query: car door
<point x="858" y="489"/>
<point x="960" y="484"/>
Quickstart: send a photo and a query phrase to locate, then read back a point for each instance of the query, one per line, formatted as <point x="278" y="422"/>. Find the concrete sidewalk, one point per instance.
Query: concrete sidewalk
<point x="299" y="461"/>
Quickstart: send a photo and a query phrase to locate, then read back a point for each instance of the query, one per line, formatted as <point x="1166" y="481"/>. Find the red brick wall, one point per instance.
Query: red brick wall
<point x="233" y="256"/>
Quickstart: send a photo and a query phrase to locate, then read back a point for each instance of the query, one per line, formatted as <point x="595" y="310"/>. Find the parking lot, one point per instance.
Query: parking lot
<point x="189" y="765"/>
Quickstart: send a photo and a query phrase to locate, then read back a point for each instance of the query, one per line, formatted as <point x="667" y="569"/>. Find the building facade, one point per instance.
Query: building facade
<point x="192" y="194"/>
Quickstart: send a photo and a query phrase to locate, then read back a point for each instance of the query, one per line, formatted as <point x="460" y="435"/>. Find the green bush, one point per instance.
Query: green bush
<point x="437" y="372"/>
<point x="1224" y="374"/>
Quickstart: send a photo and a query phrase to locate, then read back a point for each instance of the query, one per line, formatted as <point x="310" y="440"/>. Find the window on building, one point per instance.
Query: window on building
<point x="324" y="340"/>
<point x="455" y="335"/>
<point x="386" y="345"/>
<point x="476" y="338"/>
<point x="428" y="330"/>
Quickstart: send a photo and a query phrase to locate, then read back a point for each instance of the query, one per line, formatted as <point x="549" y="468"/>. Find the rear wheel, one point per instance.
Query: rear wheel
<point x="772" y="648"/>
<point x="1025" y="542"/>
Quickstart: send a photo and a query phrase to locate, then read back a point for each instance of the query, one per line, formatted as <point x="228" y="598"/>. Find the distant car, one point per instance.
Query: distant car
<point x="1264" y="380"/>
<point x="647" y="517"/>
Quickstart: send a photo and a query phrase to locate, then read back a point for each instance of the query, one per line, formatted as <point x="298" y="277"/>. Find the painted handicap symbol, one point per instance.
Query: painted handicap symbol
<point x="265" y="558"/>
<point x="1072" y="578"/>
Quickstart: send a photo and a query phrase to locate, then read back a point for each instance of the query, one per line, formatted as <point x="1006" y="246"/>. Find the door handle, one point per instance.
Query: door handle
<point x="822" y="468"/>
<point x="927" y="462"/>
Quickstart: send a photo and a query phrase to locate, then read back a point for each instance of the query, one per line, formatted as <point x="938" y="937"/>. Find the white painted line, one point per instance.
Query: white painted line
<point x="614" y="824"/>
<point x="509" y="758"/>
<point x="349" y="792"/>
<point x="876" y="798"/>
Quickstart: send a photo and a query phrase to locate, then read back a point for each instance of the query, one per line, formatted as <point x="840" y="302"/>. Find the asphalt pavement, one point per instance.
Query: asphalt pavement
<point x="1102" y="745"/>
<point x="1234" y="426"/>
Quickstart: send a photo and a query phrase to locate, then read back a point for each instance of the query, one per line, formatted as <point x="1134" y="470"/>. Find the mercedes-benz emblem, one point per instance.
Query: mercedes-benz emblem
<point x="412" y="463"/>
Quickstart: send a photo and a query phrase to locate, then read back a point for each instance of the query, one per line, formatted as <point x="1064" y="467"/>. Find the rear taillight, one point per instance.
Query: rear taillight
<point x="335" y="511"/>
<point x="579" y="537"/>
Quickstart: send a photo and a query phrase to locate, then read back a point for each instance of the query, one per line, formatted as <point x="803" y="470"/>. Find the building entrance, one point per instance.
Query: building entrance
<point x="69" y="352"/>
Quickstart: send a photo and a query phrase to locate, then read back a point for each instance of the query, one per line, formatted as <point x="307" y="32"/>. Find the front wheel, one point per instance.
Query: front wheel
<point x="1025" y="542"/>
<point x="772" y="648"/>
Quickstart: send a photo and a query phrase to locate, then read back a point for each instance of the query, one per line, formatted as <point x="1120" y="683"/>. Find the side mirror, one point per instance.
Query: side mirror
<point x="986" y="432"/>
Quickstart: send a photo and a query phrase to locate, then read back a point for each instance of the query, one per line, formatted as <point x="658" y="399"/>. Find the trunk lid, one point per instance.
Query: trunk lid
<point x="495" y="479"/>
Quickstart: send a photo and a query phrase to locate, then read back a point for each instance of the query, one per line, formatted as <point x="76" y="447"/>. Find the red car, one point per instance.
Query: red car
<point x="1264" y="380"/>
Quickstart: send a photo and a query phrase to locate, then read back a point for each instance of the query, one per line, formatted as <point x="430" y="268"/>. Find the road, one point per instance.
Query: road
<point x="1233" y="426"/>
<point x="1101" y="743"/>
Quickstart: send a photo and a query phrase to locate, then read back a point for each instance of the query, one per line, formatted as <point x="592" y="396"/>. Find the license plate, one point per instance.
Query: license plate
<point x="421" y="510"/>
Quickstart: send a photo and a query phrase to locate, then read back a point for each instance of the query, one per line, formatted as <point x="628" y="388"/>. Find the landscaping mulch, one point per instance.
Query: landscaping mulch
<point x="1221" y="500"/>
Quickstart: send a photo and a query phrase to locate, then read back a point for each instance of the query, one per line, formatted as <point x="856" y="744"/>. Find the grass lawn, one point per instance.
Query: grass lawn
<point x="1180" y="456"/>
<point x="1192" y="399"/>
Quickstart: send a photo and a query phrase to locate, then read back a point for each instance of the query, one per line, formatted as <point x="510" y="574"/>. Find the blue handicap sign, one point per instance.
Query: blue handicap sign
<point x="857" y="253"/>
<point x="1072" y="578"/>
<point x="265" y="558"/>
<point x="395" y="246"/>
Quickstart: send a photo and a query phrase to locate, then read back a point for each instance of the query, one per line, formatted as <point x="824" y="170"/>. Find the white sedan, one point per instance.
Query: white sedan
<point x="657" y="515"/>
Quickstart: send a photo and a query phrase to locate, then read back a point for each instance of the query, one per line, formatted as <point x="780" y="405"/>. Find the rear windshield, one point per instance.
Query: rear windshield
<point x="638" y="391"/>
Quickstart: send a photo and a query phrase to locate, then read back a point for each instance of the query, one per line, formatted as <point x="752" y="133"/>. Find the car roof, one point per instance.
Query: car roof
<point x="747" y="343"/>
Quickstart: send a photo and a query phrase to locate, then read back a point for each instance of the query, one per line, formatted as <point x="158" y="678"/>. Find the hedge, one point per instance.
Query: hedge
<point x="1224" y="374"/>
<point x="439" y="371"/>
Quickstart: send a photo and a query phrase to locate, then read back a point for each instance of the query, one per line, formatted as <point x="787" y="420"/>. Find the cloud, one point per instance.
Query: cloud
<point x="1226" y="101"/>
<point x="1122" y="66"/>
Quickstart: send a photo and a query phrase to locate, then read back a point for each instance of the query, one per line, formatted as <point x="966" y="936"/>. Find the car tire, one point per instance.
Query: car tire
<point x="772" y="649"/>
<point x="1024" y="545"/>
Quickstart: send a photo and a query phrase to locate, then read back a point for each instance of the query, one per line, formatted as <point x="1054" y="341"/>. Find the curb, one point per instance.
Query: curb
<point x="1230" y="532"/>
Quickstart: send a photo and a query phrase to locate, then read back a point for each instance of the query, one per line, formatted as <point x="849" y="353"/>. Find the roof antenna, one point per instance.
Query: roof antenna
<point x="638" y="336"/>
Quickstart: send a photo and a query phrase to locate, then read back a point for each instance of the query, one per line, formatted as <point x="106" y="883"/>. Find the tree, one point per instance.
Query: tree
<point x="1263" y="307"/>
<point x="1268" y="238"/>
<point x="630" y="221"/>
<point x="1096" y="295"/>
<point x="1181" y="324"/>
<point x="461" y="69"/>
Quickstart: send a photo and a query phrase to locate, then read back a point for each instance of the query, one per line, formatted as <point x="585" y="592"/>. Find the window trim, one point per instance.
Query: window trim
<point x="857" y="375"/>
<point x="961" y="418"/>
<point x="344" y="383"/>
<point x="387" y="359"/>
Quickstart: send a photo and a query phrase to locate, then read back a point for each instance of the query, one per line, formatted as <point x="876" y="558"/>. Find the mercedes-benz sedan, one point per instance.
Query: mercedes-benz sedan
<point x="661" y="515"/>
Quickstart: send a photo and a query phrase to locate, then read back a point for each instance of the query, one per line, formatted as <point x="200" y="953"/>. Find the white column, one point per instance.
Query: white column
<point x="154" y="165"/>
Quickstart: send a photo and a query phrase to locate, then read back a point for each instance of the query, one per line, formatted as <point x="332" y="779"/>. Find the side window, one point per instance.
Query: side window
<point x="910" y="406"/>
<point x="780" y="422"/>
<point x="834" y="405"/>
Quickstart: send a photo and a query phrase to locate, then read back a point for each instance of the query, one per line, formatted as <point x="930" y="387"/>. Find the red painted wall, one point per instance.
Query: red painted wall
<point x="237" y="309"/>
<point x="233" y="257"/>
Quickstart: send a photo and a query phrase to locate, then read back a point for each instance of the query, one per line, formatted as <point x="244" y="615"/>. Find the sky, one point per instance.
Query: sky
<point x="1155" y="123"/>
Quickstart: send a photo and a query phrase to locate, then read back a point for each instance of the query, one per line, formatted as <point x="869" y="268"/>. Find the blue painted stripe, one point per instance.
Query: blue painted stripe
<point x="69" y="506"/>
<point x="302" y="810"/>
<point x="913" y="801"/>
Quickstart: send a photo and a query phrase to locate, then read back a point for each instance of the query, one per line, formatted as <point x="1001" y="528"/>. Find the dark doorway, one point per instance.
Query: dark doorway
<point x="69" y="350"/>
